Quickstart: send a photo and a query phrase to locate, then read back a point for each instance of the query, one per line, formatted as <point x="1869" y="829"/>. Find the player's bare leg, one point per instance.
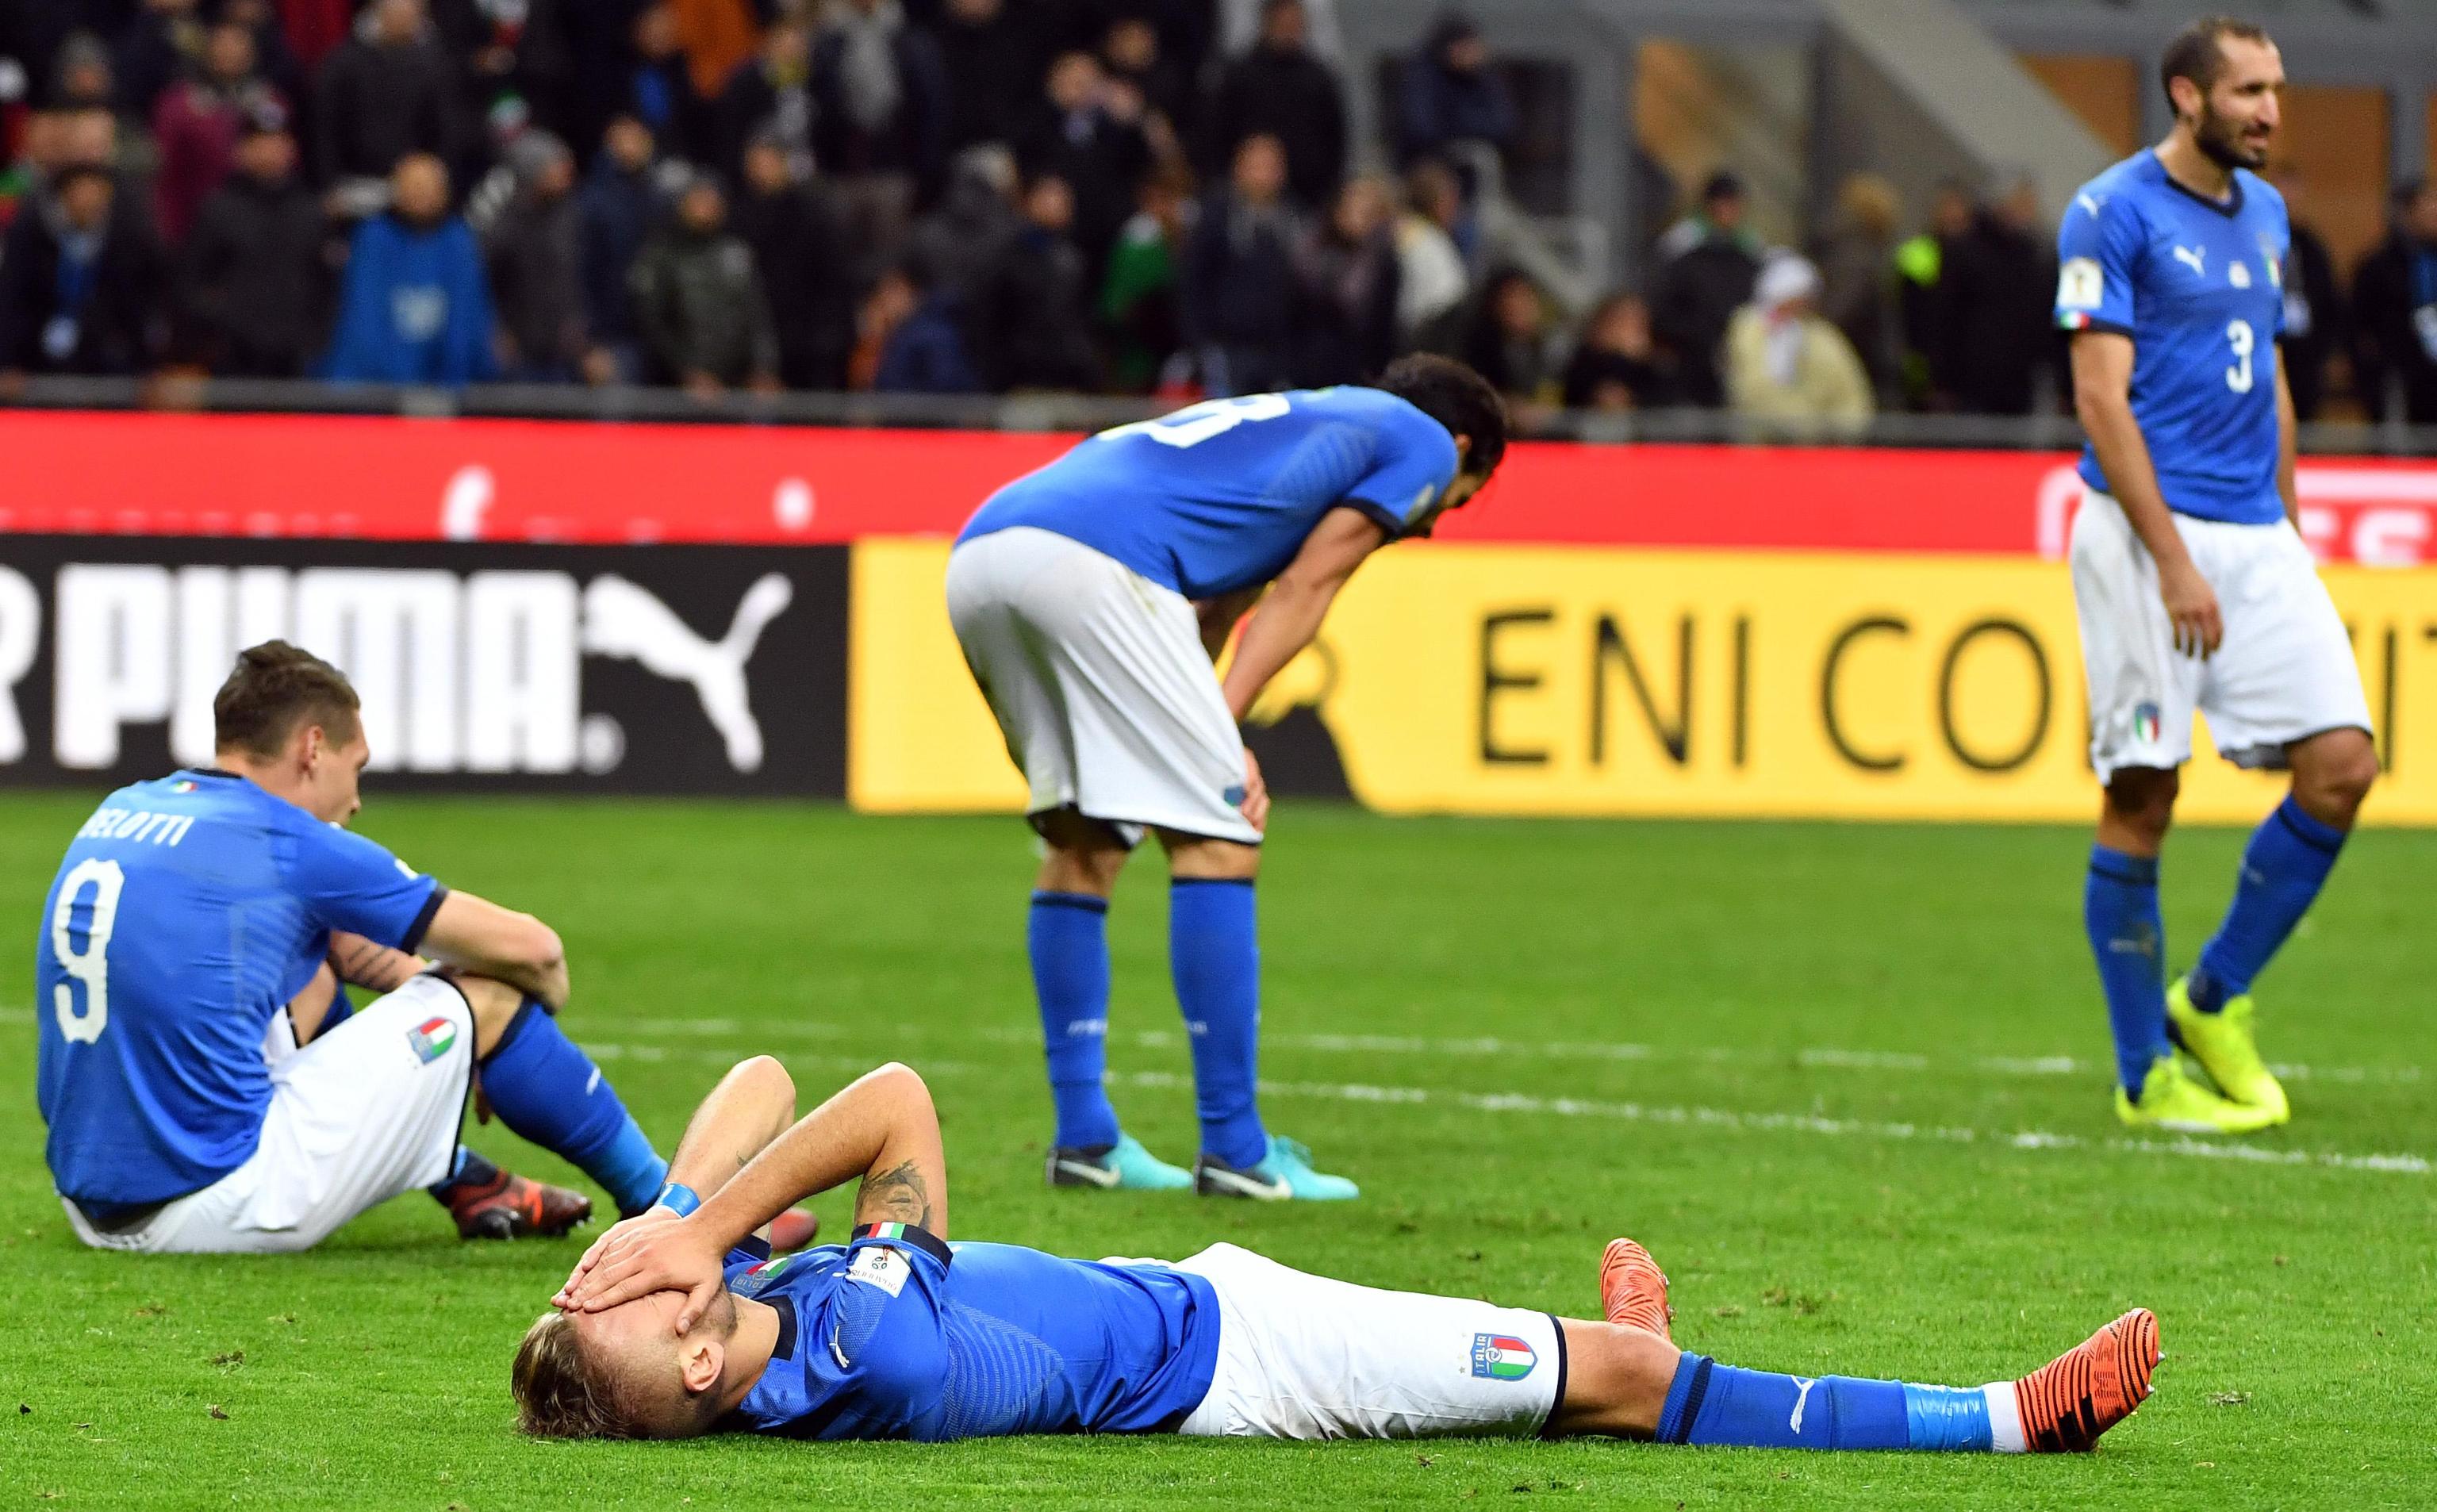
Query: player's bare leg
<point x="2283" y="867"/>
<point x="1068" y="944"/>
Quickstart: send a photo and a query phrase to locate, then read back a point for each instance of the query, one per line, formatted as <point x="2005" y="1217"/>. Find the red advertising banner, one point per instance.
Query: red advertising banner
<point x="388" y="479"/>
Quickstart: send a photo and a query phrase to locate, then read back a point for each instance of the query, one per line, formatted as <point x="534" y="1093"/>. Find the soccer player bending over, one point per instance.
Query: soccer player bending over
<point x="207" y="1084"/>
<point x="1090" y="599"/>
<point x="678" y="1323"/>
<point x="2194" y="590"/>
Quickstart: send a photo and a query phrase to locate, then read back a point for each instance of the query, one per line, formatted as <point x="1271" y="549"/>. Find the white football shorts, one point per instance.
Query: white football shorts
<point x="1305" y="1357"/>
<point x="2284" y="672"/>
<point x="366" y="1112"/>
<point x="1101" y="685"/>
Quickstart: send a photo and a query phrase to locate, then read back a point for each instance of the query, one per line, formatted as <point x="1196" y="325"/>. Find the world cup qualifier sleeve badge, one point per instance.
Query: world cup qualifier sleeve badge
<point x="1501" y="1357"/>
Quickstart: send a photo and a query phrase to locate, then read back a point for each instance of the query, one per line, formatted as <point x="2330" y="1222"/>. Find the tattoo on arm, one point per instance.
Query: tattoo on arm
<point x="375" y="967"/>
<point x="896" y="1196"/>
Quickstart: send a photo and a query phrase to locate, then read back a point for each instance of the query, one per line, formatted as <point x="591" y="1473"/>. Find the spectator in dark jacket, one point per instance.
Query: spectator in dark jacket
<point x="800" y="250"/>
<point x="1450" y="93"/>
<point x="1924" y="298"/>
<point x="78" y="282"/>
<point x="256" y="266"/>
<point x="991" y="64"/>
<point x="1349" y="280"/>
<point x="416" y="306"/>
<point x="1711" y="262"/>
<point x="769" y="95"/>
<point x="1280" y="90"/>
<point x="617" y="207"/>
<point x="1132" y="54"/>
<point x="385" y="93"/>
<point x="1512" y="342"/>
<point x="2395" y="313"/>
<point x="155" y="47"/>
<point x="2316" y="321"/>
<point x="1033" y="324"/>
<point x="195" y="126"/>
<point x="1618" y="366"/>
<point x="961" y="238"/>
<point x="658" y="86"/>
<point x="880" y="116"/>
<point x="914" y="337"/>
<point x="2001" y="279"/>
<point x="705" y="320"/>
<point x="1087" y="133"/>
<point x="1238" y="302"/>
<point x="535" y="253"/>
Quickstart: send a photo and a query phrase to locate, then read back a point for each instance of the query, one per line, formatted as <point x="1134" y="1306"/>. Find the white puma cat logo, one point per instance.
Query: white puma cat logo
<point x="623" y="619"/>
<point x="2194" y="257"/>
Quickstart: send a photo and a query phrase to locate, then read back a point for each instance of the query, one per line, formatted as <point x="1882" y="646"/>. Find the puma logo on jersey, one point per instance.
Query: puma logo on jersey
<point x="2193" y="257"/>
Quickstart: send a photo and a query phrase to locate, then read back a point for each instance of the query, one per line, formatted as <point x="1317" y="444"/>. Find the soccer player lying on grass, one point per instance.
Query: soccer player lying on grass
<point x="678" y="1324"/>
<point x="208" y="1085"/>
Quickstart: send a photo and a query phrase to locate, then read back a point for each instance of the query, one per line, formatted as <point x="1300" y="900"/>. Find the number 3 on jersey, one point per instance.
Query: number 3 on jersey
<point x="89" y="965"/>
<point x="1195" y="424"/>
<point x="2237" y="377"/>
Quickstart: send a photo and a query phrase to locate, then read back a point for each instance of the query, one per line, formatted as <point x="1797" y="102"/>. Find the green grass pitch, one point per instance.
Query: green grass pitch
<point x="1847" y="1083"/>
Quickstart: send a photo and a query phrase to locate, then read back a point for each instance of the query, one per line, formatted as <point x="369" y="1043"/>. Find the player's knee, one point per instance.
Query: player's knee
<point x="2338" y="777"/>
<point x="1202" y="858"/>
<point x="2144" y="801"/>
<point x="495" y="1005"/>
<point x="1616" y="1380"/>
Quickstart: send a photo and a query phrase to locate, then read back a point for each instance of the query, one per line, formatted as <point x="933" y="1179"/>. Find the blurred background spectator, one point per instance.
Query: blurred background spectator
<point x="1999" y="289"/>
<point x="699" y="304"/>
<point x="800" y="249"/>
<point x="1513" y="340"/>
<point x="1707" y="263"/>
<point x="1618" y="366"/>
<point x="1789" y="371"/>
<point x="255" y="282"/>
<point x="1239" y="307"/>
<point x="384" y="93"/>
<point x="913" y="337"/>
<point x="534" y="248"/>
<point x="1280" y="89"/>
<point x="1432" y="274"/>
<point x="1451" y="96"/>
<point x="879" y="114"/>
<point x="1350" y="281"/>
<point x="196" y="122"/>
<point x="2395" y="313"/>
<point x="81" y="282"/>
<point x="1857" y="271"/>
<point x="2317" y="322"/>
<point x="416" y="306"/>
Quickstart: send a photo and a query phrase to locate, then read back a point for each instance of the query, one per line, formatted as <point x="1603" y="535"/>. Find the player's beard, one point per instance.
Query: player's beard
<point x="2219" y="138"/>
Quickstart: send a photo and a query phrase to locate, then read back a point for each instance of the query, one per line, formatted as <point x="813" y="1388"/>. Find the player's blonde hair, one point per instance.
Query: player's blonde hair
<point x="560" y="1392"/>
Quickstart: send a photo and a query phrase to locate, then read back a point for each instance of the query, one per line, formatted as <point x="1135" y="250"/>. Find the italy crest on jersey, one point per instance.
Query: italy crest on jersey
<point x="1500" y="1357"/>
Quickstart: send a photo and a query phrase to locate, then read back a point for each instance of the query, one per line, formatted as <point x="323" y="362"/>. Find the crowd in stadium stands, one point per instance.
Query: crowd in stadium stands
<point x="948" y="196"/>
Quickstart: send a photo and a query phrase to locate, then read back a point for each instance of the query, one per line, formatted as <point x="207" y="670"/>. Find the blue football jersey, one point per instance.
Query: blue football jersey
<point x="897" y="1336"/>
<point x="1220" y="496"/>
<point x="2198" y="286"/>
<point x="186" y="912"/>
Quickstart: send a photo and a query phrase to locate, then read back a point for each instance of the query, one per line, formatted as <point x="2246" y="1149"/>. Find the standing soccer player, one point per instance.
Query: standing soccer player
<point x="1090" y="599"/>
<point x="2193" y="588"/>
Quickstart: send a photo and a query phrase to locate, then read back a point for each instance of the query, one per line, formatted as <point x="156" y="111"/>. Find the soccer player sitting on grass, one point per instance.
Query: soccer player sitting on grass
<point x="1090" y="598"/>
<point x="207" y="1084"/>
<point x="678" y="1323"/>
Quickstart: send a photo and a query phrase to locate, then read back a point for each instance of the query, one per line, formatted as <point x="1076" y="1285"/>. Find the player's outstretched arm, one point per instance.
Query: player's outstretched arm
<point x="883" y="1129"/>
<point x="750" y="1108"/>
<point x="2102" y="396"/>
<point x="1290" y="615"/>
<point x="476" y="935"/>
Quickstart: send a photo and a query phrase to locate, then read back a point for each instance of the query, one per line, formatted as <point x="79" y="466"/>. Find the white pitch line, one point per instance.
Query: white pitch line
<point x="1726" y="1119"/>
<point x="1819" y="1058"/>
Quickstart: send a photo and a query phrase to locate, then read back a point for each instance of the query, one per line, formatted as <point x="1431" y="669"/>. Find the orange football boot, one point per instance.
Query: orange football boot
<point x="1633" y="1289"/>
<point x="2068" y="1403"/>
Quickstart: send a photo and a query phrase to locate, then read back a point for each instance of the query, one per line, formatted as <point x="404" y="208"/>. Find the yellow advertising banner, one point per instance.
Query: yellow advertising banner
<point x="1532" y="679"/>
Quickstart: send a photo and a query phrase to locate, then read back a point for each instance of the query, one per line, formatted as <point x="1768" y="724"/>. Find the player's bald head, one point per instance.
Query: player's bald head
<point x="620" y="1373"/>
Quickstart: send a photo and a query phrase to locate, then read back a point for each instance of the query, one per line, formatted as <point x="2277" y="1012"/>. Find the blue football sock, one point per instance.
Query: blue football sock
<point x="1068" y="938"/>
<point x="2283" y="866"/>
<point x="550" y="1093"/>
<point x="1215" y="956"/>
<point x="2119" y="907"/>
<point x="1711" y="1403"/>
